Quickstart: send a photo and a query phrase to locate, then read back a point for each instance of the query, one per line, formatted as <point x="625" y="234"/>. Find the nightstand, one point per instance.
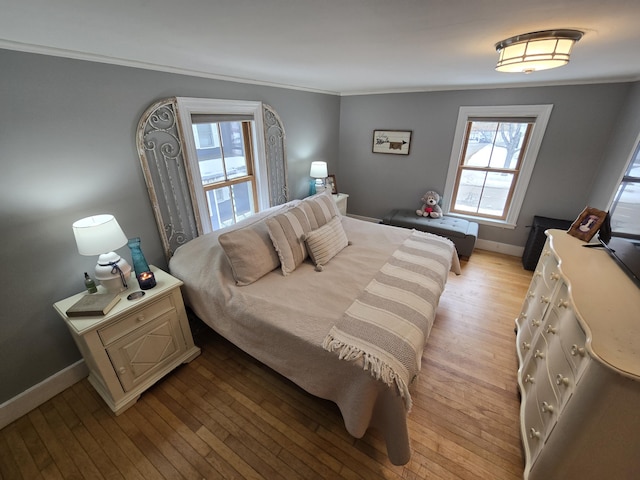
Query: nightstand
<point x="341" y="202"/>
<point x="136" y="343"/>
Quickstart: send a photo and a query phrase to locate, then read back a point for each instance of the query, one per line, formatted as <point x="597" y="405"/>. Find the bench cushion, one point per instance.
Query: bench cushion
<point x="462" y="233"/>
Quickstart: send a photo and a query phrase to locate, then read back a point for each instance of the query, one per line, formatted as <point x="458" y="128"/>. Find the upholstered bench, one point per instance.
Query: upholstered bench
<point x="461" y="232"/>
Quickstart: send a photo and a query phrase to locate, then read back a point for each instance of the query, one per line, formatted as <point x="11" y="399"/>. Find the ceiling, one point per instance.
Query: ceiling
<point x="343" y="47"/>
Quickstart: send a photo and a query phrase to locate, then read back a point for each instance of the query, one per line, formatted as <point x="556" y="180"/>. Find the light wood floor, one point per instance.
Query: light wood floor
<point x="224" y="415"/>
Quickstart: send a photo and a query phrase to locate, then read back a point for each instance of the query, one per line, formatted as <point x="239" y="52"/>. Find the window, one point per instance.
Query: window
<point x="225" y="153"/>
<point x="625" y="209"/>
<point x="493" y="155"/>
<point x="226" y="166"/>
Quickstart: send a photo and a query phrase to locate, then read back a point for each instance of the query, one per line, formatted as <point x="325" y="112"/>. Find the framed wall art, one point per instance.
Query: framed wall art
<point x="587" y="224"/>
<point x="396" y="142"/>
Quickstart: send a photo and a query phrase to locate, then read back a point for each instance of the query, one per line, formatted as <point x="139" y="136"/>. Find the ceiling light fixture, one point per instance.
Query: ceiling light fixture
<point x="535" y="51"/>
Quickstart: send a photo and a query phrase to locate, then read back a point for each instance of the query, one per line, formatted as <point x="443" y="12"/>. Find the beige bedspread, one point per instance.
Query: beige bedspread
<point x="283" y="320"/>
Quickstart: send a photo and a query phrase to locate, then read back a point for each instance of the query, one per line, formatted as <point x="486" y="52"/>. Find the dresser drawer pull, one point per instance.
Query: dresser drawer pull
<point x="576" y="350"/>
<point x="562" y="380"/>
<point x="122" y="371"/>
<point x="140" y="318"/>
<point x="526" y="346"/>
<point x="533" y="433"/>
<point x="531" y="294"/>
<point x="529" y="379"/>
<point x="535" y="323"/>
<point x="547" y="407"/>
<point x="523" y="316"/>
<point x="551" y="329"/>
<point x="554" y="276"/>
<point x="538" y="354"/>
<point x="563" y="303"/>
<point x="544" y="299"/>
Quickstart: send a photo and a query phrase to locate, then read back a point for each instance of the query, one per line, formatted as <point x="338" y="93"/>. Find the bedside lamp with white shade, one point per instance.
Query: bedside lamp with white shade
<point x="101" y="235"/>
<point x="320" y="173"/>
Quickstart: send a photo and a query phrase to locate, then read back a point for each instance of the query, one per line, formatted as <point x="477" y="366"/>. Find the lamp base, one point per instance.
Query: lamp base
<point x="113" y="272"/>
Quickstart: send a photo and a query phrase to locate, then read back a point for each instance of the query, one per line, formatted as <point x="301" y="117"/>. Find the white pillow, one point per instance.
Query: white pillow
<point x="326" y="242"/>
<point x="250" y="252"/>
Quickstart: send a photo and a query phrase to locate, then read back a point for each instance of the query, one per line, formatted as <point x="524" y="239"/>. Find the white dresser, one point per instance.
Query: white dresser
<point x="578" y="344"/>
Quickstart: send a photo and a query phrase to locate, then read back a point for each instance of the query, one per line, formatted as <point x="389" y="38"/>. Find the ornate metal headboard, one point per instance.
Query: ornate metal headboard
<point x="168" y="177"/>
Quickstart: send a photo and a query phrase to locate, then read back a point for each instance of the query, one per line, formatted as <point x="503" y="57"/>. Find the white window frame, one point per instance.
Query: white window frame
<point x="631" y="158"/>
<point x="541" y="113"/>
<point x="187" y="107"/>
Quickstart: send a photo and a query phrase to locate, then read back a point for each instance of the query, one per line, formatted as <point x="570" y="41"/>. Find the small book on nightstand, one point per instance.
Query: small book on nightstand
<point x="93" y="304"/>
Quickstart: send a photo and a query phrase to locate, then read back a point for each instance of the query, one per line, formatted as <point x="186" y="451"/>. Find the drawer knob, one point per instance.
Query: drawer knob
<point x="544" y="299"/>
<point x="529" y="379"/>
<point x="533" y="433"/>
<point x="554" y="276"/>
<point x="122" y="370"/>
<point x="523" y="316"/>
<point x="526" y="346"/>
<point x="547" y="407"/>
<point x="563" y="303"/>
<point x="562" y="380"/>
<point x="551" y="329"/>
<point x="538" y="354"/>
<point x="531" y="294"/>
<point x="140" y="318"/>
<point x="535" y="323"/>
<point x="576" y="350"/>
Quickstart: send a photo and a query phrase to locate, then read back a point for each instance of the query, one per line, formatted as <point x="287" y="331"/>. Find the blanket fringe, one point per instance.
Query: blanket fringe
<point x="376" y="367"/>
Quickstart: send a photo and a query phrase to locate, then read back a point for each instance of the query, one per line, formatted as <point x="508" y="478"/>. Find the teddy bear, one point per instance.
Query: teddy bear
<point x="430" y="207"/>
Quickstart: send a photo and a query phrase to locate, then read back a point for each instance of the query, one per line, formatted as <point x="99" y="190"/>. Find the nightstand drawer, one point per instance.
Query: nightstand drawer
<point x="136" y="319"/>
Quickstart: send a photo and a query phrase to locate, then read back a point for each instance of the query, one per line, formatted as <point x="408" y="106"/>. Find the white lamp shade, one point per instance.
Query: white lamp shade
<point x="98" y="234"/>
<point x="319" y="170"/>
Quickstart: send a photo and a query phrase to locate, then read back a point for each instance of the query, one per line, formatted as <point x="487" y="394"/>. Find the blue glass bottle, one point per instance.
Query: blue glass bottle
<point x="146" y="278"/>
<point x="140" y="264"/>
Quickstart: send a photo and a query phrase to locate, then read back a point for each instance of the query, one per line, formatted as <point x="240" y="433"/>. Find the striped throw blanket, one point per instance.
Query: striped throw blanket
<point x="387" y="326"/>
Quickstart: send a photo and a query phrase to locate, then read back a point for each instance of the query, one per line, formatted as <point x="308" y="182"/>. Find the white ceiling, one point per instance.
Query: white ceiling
<point x="337" y="46"/>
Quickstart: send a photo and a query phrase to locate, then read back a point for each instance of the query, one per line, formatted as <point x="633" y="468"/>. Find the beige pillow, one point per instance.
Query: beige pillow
<point x="250" y="252"/>
<point x="320" y="209"/>
<point x="286" y="231"/>
<point x="326" y="242"/>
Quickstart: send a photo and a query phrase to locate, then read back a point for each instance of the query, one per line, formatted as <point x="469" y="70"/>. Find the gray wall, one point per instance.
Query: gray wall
<point x="67" y="150"/>
<point x="573" y="149"/>
<point x="621" y="146"/>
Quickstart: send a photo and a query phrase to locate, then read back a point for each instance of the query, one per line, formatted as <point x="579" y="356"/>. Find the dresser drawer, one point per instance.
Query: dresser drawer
<point x="549" y="270"/>
<point x="560" y="373"/>
<point x="136" y="319"/>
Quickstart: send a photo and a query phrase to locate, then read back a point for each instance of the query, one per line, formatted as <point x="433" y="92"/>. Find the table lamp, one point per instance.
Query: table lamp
<point x="319" y="172"/>
<point x="99" y="234"/>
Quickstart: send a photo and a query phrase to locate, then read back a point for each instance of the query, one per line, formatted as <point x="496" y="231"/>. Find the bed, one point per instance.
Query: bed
<point x="290" y="320"/>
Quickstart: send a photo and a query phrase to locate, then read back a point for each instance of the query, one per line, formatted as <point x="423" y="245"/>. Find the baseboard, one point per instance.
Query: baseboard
<point x="498" y="247"/>
<point x="35" y="396"/>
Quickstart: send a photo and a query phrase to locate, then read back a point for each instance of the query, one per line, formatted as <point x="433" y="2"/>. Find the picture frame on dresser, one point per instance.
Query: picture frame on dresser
<point x="331" y="183"/>
<point x="587" y="224"/>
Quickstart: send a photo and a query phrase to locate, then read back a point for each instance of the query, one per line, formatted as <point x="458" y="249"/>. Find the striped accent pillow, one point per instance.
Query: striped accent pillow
<point x="320" y="209"/>
<point x="287" y="231"/>
<point x="326" y="242"/>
